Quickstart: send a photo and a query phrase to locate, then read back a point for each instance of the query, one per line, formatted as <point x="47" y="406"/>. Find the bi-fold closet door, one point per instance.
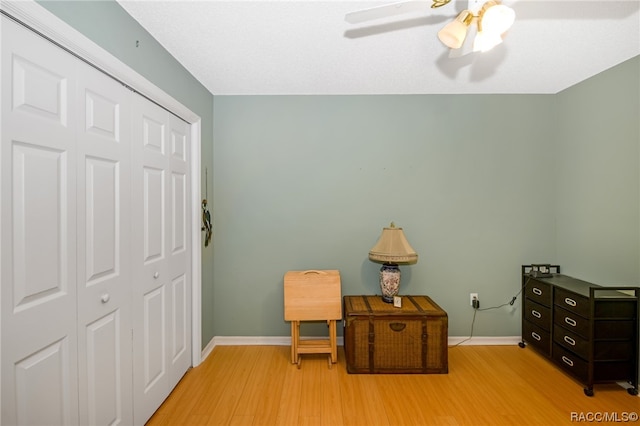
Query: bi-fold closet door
<point x="95" y="283"/>
<point x="161" y="238"/>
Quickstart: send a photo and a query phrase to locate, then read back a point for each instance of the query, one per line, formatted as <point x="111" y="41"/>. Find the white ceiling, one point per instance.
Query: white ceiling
<point x="239" y="47"/>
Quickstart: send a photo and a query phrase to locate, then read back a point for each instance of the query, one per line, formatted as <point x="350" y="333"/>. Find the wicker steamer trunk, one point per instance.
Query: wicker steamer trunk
<point x="380" y="338"/>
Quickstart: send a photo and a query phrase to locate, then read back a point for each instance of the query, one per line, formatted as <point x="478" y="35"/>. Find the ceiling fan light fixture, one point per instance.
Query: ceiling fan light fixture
<point x="439" y="3"/>
<point x="453" y="34"/>
<point x="495" y="17"/>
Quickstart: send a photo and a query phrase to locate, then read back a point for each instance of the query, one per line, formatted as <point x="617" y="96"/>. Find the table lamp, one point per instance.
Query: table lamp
<point x="391" y="250"/>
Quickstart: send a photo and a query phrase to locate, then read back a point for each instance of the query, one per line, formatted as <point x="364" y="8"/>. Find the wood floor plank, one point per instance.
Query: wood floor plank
<point x="266" y="391"/>
<point x="289" y="404"/>
<point x="331" y="397"/>
<point x="311" y="373"/>
<point x="400" y="405"/>
<point x="236" y="380"/>
<point x="486" y="385"/>
<point x="362" y="403"/>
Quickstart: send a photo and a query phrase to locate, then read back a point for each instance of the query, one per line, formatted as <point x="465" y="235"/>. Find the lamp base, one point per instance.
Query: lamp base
<point x="389" y="281"/>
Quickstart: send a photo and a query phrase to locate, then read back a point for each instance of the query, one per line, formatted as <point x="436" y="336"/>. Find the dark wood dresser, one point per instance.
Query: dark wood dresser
<point x="589" y="331"/>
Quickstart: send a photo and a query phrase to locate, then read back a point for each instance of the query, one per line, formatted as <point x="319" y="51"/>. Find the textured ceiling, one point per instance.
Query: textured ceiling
<point x="306" y="47"/>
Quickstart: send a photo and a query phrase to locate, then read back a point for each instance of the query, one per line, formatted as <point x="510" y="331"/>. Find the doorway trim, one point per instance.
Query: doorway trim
<point x="45" y="23"/>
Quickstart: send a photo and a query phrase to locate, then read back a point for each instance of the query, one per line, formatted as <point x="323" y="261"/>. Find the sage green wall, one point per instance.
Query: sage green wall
<point x="480" y="183"/>
<point x="308" y="182"/>
<point x="598" y="180"/>
<point x="111" y="27"/>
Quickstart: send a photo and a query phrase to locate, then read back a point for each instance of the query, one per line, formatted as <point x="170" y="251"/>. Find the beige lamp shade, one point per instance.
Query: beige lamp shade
<point x="393" y="247"/>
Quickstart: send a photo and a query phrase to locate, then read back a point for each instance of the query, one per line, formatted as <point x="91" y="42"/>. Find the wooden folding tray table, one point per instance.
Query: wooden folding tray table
<point x="313" y="295"/>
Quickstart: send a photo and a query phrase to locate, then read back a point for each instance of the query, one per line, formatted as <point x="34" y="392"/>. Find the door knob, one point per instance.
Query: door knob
<point x="156" y="275"/>
<point x="105" y="298"/>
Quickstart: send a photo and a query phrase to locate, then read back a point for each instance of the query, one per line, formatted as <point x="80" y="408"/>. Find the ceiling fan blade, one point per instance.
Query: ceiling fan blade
<point x="385" y="11"/>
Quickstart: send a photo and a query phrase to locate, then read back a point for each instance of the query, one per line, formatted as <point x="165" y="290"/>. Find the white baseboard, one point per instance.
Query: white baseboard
<point x="207" y="349"/>
<point x="286" y="341"/>
<point x="626" y="386"/>
<point x="484" y="340"/>
<point x="261" y="340"/>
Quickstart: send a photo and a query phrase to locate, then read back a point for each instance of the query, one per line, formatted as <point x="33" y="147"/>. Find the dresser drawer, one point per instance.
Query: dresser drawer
<point x="539" y="292"/>
<point x="571" y="322"/>
<point x="537" y="337"/>
<point x="537" y="314"/>
<point x="616" y="350"/>
<point x="572" y="302"/>
<point x="570" y="362"/>
<point x="613" y="370"/>
<point x="571" y="341"/>
<point x="611" y="309"/>
<point x="605" y="329"/>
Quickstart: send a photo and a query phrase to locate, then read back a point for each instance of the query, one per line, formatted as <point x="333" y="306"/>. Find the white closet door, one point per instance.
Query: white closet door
<point x="179" y="251"/>
<point x="161" y="255"/>
<point x="104" y="265"/>
<point x="38" y="229"/>
<point x="95" y="242"/>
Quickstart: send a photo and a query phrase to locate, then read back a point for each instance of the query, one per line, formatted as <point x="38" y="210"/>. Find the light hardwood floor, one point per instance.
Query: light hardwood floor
<point x="486" y="385"/>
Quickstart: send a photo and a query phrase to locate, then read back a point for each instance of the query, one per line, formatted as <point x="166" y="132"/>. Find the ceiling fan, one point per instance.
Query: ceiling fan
<point x="492" y="20"/>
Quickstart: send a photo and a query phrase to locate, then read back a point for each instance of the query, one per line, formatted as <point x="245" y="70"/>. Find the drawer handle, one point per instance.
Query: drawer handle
<point x="536" y="314"/>
<point x="567" y="361"/>
<point x="397" y="326"/>
<point x="569" y="301"/>
<point x="570" y="321"/>
<point x="536" y="336"/>
<point x="537" y="291"/>
<point x="569" y="340"/>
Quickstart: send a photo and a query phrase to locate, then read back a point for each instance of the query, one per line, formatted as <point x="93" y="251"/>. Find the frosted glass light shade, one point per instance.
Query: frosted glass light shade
<point x="486" y="41"/>
<point x="496" y="18"/>
<point x="453" y="34"/>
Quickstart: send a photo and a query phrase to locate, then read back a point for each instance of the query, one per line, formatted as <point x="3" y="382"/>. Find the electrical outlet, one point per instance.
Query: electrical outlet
<point x="472" y="297"/>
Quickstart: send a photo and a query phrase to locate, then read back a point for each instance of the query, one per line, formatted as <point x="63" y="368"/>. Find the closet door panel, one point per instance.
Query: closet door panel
<point x="151" y="213"/>
<point x="104" y="264"/>
<point x="40" y="202"/>
<point x="179" y="325"/>
<point x="155" y="365"/>
<point x="102" y="219"/>
<point x="153" y="197"/>
<point x="103" y="402"/>
<point x="38" y="89"/>
<point x="179" y="254"/>
<point x="37" y="376"/>
<point x="38" y="269"/>
<point x="161" y="245"/>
